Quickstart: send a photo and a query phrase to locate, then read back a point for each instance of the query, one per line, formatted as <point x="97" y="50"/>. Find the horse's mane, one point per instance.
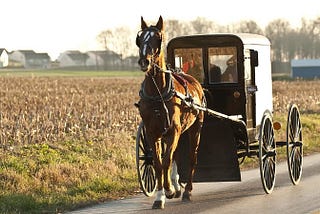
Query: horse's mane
<point x="162" y="61"/>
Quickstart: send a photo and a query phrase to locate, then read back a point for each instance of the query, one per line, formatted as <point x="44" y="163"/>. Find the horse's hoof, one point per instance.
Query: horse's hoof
<point x="178" y="194"/>
<point x="186" y="196"/>
<point x="171" y="196"/>
<point x="158" y="205"/>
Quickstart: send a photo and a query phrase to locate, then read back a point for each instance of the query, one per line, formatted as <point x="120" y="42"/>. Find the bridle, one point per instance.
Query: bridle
<point x="148" y="54"/>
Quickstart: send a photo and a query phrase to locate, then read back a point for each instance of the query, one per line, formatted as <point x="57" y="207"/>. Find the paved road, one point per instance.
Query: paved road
<point x="236" y="197"/>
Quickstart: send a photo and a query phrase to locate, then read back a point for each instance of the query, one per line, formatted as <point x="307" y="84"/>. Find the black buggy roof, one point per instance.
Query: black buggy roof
<point x="217" y="39"/>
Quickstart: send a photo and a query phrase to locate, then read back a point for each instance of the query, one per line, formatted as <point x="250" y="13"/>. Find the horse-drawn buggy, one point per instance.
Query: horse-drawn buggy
<point x="232" y="112"/>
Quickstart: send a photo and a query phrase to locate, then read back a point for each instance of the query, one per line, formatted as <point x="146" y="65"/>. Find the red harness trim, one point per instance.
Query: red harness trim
<point x="181" y="80"/>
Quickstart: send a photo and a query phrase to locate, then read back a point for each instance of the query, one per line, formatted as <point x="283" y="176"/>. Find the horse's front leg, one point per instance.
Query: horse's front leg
<point x="160" y="195"/>
<point x="162" y="169"/>
<point x="170" y="168"/>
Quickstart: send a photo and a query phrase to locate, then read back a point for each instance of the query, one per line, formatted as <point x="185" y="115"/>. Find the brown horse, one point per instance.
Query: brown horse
<point x="166" y="114"/>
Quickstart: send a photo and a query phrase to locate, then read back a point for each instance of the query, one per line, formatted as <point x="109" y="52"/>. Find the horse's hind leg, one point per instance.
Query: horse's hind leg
<point x="175" y="179"/>
<point x="194" y="140"/>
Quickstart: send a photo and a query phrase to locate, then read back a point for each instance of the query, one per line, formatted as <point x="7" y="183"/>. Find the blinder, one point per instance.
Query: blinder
<point x="138" y="39"/>
<point x="152" y="29"/>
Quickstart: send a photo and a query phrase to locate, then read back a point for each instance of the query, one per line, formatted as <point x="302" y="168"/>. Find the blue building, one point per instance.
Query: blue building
<point x="305" y="68"/>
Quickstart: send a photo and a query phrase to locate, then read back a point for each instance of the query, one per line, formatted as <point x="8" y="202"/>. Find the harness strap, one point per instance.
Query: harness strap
<point x="161" y="97"/>
<point x="187" y="100"/>
<point x="166" y="95"/>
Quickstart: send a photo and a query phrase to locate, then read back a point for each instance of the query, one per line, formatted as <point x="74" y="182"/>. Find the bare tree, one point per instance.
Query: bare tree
<point x="202" y="25"/>
<point x="123" y="41"/>
<point x="249" y="27"/>
<point x="174" y="28"/>
<point x="105" y="38"/>
<point x="277" y="32"/>
<point x="310" y="43"/>
<point x="291" y="44"/>
<point x="120" y="40"/>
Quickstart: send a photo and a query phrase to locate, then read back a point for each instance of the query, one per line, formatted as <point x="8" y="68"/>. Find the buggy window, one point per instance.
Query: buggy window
<point x="222" y="65"/>
<point x="189" y="60"/>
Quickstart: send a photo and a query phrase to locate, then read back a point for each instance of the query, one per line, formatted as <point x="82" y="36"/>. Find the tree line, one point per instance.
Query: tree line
<point x="287" y="43"/>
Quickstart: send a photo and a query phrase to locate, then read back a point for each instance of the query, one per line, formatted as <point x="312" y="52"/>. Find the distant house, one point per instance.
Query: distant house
<point x="73" y="59"/>
<point x="4" y="58"/>
<point x="131" y="62"/>
<point x="102" y="60"/>
<point x="30" y="59"/>
<point x="305" y="68"/>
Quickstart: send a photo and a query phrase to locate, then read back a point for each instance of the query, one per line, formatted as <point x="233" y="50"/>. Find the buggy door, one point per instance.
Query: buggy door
<point x="225" y="85"/>
<point x="250" y="61"/>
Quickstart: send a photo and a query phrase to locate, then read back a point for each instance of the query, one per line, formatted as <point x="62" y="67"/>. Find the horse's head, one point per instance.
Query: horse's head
<point x="149" y="41"/>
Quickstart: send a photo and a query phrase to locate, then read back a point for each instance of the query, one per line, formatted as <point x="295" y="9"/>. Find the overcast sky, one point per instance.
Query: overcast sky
<point x="54" y="26"/>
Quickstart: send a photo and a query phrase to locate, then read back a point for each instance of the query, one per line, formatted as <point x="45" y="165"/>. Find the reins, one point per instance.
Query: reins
<point x="168" y="124"/>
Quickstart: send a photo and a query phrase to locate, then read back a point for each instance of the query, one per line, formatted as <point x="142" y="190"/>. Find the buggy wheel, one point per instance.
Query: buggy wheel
<point x="144" y="161"/>
<point x="294" y="144"/>
<point x="267" y="153"/>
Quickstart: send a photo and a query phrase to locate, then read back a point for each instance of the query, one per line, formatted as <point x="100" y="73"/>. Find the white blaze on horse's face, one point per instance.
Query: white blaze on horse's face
<point x="146" y="38"/>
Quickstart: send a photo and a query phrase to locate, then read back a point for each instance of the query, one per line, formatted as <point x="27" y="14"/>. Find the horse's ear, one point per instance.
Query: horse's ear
<point x="160" y="23"/>
<point x="143" y="24"/>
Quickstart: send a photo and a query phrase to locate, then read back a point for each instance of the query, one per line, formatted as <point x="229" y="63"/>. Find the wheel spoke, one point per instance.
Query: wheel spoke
<point x="143" y="170"/>
<point x="272" y="160"/>
<point x="271" y="172"/>
<point x="271" y="140"/>
<point x="291" y="133"/>
<point x="264" y="156"/>
<point x="265" y="171"/>
<point x="296" y="128"/>
<point x="296" y="164"/>
<point x="268" y="175"/>
<point x="142" y="148"/>
<point x="149" y="180"/>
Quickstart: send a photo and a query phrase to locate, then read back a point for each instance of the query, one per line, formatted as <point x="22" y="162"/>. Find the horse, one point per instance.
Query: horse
<point x="164" y="109"/>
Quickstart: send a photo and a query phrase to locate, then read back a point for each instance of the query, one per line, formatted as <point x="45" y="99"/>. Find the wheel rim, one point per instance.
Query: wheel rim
<point x="144" y="161"/>
<point x="294" y="145"/>
<point x="267" y="154"/>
